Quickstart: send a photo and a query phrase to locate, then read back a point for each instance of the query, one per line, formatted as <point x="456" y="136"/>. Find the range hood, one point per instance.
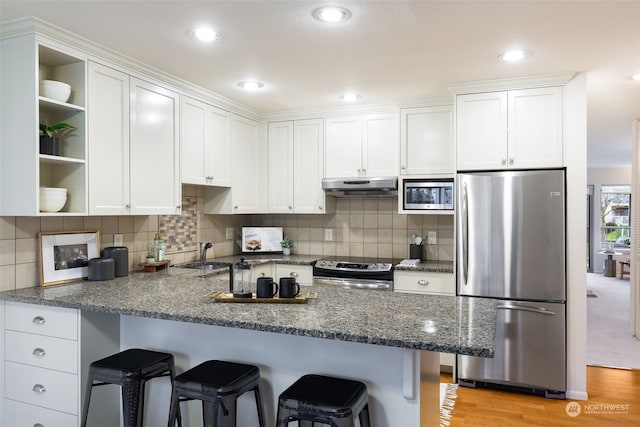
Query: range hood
<point x="361" y="186"/>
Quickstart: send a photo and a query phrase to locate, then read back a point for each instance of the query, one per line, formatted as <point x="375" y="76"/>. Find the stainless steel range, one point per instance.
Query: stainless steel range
<point x="358" y="273"/>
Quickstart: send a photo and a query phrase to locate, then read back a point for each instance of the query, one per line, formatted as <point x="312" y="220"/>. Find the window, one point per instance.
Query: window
<point x="615" y="209"/>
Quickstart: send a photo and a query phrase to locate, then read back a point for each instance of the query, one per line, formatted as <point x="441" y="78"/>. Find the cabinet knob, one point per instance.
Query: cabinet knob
<point x="39" y="352"/>
<point x="39" y="388"/>
<point x="290" y="207"/>
<point x="403" y="167"/>
<point x="39" y="320"/>
<point x="359" y="171"/>
<point x="423" y="282"/>
<point x="320" y="207"/>
<point x="293" y="274"/>
<point x="504" y="162"/>
<point x="235" y="207"/>
<point x="262" y="274"/>
<point x="511" y="161"/>
<point x="178" y="207"/>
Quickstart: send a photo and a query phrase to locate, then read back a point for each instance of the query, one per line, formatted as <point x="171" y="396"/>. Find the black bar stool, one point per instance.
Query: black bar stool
<point x="321" y="399"/>
<point x="218" y="384"/>
<point x="130" y="369"/>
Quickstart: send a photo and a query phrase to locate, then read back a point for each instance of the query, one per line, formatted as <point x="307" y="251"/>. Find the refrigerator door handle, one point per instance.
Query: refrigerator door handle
<point x="465" y="234"/>
<point x="539" y="310"/>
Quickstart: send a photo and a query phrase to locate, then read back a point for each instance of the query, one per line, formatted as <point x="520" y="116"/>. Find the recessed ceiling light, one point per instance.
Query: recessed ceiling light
<point x="514" y="55"/>
<point x="332" y="14"/>
<point x="250" y="85"/>
<point x="204" y="34"/>
<point x="350" y="97"/>
<point x="636" y="77"/>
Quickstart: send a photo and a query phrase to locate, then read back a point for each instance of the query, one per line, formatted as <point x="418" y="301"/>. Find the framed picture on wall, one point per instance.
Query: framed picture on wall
<point x="64" y="256"/>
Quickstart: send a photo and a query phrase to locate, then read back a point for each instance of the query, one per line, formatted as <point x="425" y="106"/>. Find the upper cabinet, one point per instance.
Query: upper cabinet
<point x="296" y="164"/>
<point x="248" y="192"/>
<point x="366" y="145"/>
<point x="509" y="129"/>
<point x="25" y="167"/>
<point x="426" y="140"/>
<point x="133" y="145"/>
<point x="205" y="144"/>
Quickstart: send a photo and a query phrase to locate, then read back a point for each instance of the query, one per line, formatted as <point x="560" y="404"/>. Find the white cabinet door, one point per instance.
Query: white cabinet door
<point x="343" y="146"/>
<point x="308" y="166"/>
<point x="193" y="155"/>
<point x="108" y="113"/>
<point x="249" y="171"/>
<point x="218" y="147"/>
<point x="154" y="167"/>
<point x="281" y="180"/>
<point x="535" y="127"/>
<point x="481" y="131"/>
<point x="424" y="282"/>
<point x="380" y="144"/>
<point x="426" y="141"/>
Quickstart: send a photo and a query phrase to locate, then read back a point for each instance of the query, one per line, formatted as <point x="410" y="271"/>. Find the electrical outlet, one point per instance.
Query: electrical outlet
<point x="117" y="240"/>
<point x="432" y="238"/>
<point x="229" y="233"/>
<point x="328" y="234"/>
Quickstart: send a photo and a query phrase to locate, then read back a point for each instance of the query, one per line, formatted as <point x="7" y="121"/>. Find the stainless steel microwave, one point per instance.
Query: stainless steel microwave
<point x="427" y="194"/>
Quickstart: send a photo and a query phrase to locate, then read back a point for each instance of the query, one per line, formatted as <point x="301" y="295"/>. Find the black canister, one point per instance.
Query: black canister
<point x="102" y="268"/>
<point x="415" y="251"/>
<point x="120" y="255"/>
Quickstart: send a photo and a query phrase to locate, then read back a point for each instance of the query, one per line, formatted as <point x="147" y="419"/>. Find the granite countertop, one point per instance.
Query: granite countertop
<point x="428" y="266"/>
<point x="439" y="323"/>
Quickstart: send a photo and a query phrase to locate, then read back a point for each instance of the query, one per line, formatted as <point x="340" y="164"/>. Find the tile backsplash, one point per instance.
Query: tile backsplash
<point x="360" y="227"/>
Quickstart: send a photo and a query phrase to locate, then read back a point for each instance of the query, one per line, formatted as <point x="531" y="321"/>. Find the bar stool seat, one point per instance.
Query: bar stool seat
<point x="322" y="399"/>
<point x="130" y="369"/>
<point x="218" y="384"/>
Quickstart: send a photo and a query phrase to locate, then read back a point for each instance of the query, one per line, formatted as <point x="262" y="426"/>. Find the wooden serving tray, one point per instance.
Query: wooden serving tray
<point x="228" y="297"/>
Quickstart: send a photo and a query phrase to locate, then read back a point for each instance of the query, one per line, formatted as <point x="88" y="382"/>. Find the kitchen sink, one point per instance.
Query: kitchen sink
<point x="209" y="265"/>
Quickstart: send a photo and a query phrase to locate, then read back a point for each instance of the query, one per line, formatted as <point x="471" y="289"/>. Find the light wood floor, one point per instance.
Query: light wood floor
<point x="486" y="407"/>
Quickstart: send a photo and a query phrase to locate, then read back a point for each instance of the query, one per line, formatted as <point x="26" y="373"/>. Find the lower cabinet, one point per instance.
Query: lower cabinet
<point x="424" y="282"/>
<point x="45" y="356"/>
<point x="303" y="273"/>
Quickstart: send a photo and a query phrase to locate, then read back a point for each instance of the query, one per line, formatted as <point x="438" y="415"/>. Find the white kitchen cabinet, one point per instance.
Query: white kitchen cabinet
<point x="509" y="129"/>
<point x="133" y="145"/>
<point x="44" y="358"/>
<point x="296" y="167"/>
<point x="205" y="144"/>
<point x="426" y="141"/>
<point x="249" y="188"/>
<point x="366" y="145"/>
<point x="24" y="61"/>
<point x="302" y="273"/>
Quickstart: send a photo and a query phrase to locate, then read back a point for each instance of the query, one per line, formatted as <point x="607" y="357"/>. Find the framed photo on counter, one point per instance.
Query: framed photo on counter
<point x="64" y="255"/>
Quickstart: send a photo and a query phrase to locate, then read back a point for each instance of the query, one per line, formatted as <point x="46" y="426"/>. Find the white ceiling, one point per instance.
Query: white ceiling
<point x="389" y="52"/>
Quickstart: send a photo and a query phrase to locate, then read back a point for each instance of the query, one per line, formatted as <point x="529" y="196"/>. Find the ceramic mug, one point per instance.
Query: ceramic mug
<point x="266" y="287"/>
<point x="289" y="288"/>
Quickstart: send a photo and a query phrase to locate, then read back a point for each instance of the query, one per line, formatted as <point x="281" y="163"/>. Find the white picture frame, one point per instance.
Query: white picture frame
<point x="64" y="255"/>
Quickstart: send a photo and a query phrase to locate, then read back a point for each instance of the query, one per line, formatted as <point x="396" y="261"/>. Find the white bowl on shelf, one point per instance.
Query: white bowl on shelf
<point x="52" y="199"/>
<point x="52" y="89"/>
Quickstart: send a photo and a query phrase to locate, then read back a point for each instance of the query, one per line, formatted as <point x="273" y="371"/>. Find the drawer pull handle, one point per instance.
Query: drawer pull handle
<point x="39" y="388"/>
<point x="263" y="274"/>
<point x="423" y="282"/>
<point x="293" y="274"/>
<point x="38" y="425"/>
<point x="39" y="320"/>
<point x="39" y="352"/>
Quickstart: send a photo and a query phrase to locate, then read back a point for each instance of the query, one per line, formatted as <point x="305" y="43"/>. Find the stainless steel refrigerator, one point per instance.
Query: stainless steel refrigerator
<point x="510" y="236"/>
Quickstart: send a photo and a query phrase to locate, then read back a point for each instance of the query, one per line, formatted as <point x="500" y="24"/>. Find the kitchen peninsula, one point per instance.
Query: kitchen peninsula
<point x="375" y="337"/>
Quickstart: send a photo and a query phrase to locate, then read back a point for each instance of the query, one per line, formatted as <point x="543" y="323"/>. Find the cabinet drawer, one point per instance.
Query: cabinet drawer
<point x="41" y="319"/>
<point x="42" y="351"/>
<point x="424" y="282"/>
<point x="43" y="387"/>
<point x="303" y="273"/>
<point x="21" y="414"/>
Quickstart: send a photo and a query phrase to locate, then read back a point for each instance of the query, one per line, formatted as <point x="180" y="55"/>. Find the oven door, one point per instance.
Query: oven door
<point x="376" y="285"/>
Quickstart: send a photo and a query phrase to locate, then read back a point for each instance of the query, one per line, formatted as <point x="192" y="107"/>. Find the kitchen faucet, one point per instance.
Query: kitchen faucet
<point x="203" y="251"/>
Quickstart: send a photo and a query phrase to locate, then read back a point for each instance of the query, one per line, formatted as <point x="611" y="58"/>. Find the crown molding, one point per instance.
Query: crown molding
<point x="512" y="83"/>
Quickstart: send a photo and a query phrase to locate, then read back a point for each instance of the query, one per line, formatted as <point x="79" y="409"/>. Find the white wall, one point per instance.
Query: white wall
<point x="598" y="177"/>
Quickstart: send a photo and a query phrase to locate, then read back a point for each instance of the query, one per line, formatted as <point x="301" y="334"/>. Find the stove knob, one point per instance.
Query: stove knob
<point x="322" y="263"/>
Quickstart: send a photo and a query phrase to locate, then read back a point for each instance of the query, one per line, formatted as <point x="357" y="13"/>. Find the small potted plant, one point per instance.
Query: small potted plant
<point x="49" y="135"/>
<point x="151" y="258"/>
<point x="287" y="245"/>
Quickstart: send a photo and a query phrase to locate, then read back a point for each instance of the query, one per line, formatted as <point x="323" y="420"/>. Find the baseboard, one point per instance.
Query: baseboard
<point x="577" y="395"/>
